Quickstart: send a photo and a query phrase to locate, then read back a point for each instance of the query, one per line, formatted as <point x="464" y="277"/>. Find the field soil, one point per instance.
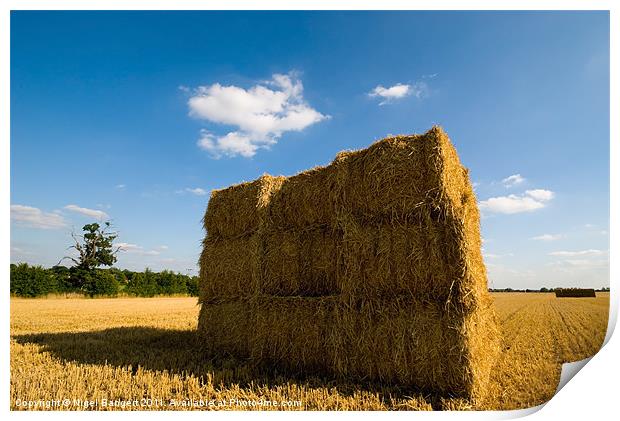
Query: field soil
<point x="135" y="353"/>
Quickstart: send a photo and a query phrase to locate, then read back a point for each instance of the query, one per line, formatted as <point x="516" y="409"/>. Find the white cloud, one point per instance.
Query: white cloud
<point x="547" y="237"/>
<point x="92" y="213"/>
<point x="261" y="114"/>
<point x="232" y="144"/>
<point x="35" y="218"/>
<point x="120" y="186"/>
<point x="196" y="191"/>
<point x="136" y="249"/>
<point x="530" y="201"/>
<point x="398" y="91"/>
<point x="513" y="180"/>
<point x="589" y="252"/>
<point x="540" y="194"/>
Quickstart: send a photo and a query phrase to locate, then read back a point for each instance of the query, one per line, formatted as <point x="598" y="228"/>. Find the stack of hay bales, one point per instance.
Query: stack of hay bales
<point x="369" y="268"/>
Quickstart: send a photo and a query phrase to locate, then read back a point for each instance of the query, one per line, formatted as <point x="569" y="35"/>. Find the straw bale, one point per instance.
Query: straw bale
<point x="382" y="260"/>
<point x="300" y="263"/>
<point x="225" y="328"/>
<point x="414" y="344"/>
<point x="238" y="210"/>
<point x="401" y="177"/>
<point x="401" y="342"/>
<point x="228" y="268"/>
<point x="290" y="333"/>
<point x="305" y="200"/>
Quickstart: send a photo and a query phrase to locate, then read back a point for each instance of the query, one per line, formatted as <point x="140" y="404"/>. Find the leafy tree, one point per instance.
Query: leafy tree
<point x="143" y="284"/>
<point x="62" y="275"/>
<point x="31" y="281"/>
<point x="192" y="285"/>
<point x="100" y="282"/>
<point x="94" y="247"/>
<point x="171" y="283"/>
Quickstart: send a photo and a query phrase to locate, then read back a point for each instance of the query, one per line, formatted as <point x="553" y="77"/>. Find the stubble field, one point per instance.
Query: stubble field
<point x="133" y="353"/>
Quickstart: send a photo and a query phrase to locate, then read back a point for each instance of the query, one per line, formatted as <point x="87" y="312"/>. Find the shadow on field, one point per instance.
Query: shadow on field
<point x="180" y="352"/>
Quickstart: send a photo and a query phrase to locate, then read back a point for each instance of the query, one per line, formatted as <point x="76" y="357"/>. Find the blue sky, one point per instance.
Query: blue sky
<point x="136" y="116"/>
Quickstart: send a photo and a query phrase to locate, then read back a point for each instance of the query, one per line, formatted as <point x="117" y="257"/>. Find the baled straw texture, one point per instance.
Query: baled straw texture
<point x="238" y="210"/>
<point x="397" y="342"/>
<point x="369" y="268"/>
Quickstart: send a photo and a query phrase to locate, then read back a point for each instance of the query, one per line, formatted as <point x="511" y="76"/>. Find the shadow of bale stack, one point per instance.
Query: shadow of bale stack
<point x="369" y="268"/>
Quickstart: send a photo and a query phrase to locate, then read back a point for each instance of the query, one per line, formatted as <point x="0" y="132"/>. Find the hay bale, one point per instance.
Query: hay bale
<point x="238" y="210"/>
<point x="575" y="292"/>
<point x="418" y="346"/>
<point x="289" y="333"/>
<point x="225" y="328"/>
<point x="306" y="200"/>
<point x="228" y="269"/>
<point x="402" y="177"/>
<point x="300" y="263"/>
<point x="381" y="260"/>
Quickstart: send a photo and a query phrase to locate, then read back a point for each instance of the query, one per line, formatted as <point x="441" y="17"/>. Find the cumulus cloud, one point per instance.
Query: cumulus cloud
<point x="513" y="180"/>
<point x="540" y="194"/>
<point x="91" y="213"/>
<point x="547" y="237"/>
<point x="530" y="201"/>
<point x="588" y="252"/>
<point x="32" y="217"/>
<point x="398" y="91"/>
<point x="136" y="249"/>
<point x="260" y="114"/>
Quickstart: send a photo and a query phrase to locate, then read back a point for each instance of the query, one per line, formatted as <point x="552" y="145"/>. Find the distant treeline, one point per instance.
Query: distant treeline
<point x="604" y="289"/>
<point x="36" y="281"/>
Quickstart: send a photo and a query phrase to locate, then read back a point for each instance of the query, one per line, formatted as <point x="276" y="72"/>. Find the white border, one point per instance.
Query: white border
<point x="590" y="393"/>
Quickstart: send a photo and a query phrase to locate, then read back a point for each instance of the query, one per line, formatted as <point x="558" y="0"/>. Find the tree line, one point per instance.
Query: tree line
<point x="95" y="248"/>
<point x="36" y="281"/>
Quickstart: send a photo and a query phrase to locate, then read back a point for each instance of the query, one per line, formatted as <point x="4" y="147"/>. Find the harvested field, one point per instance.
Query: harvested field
<point x="138" y="348"/>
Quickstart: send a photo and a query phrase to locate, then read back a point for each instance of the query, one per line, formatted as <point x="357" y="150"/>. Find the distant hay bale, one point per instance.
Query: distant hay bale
<point x="575" y="292"/>
<point x="369" y="268"/>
